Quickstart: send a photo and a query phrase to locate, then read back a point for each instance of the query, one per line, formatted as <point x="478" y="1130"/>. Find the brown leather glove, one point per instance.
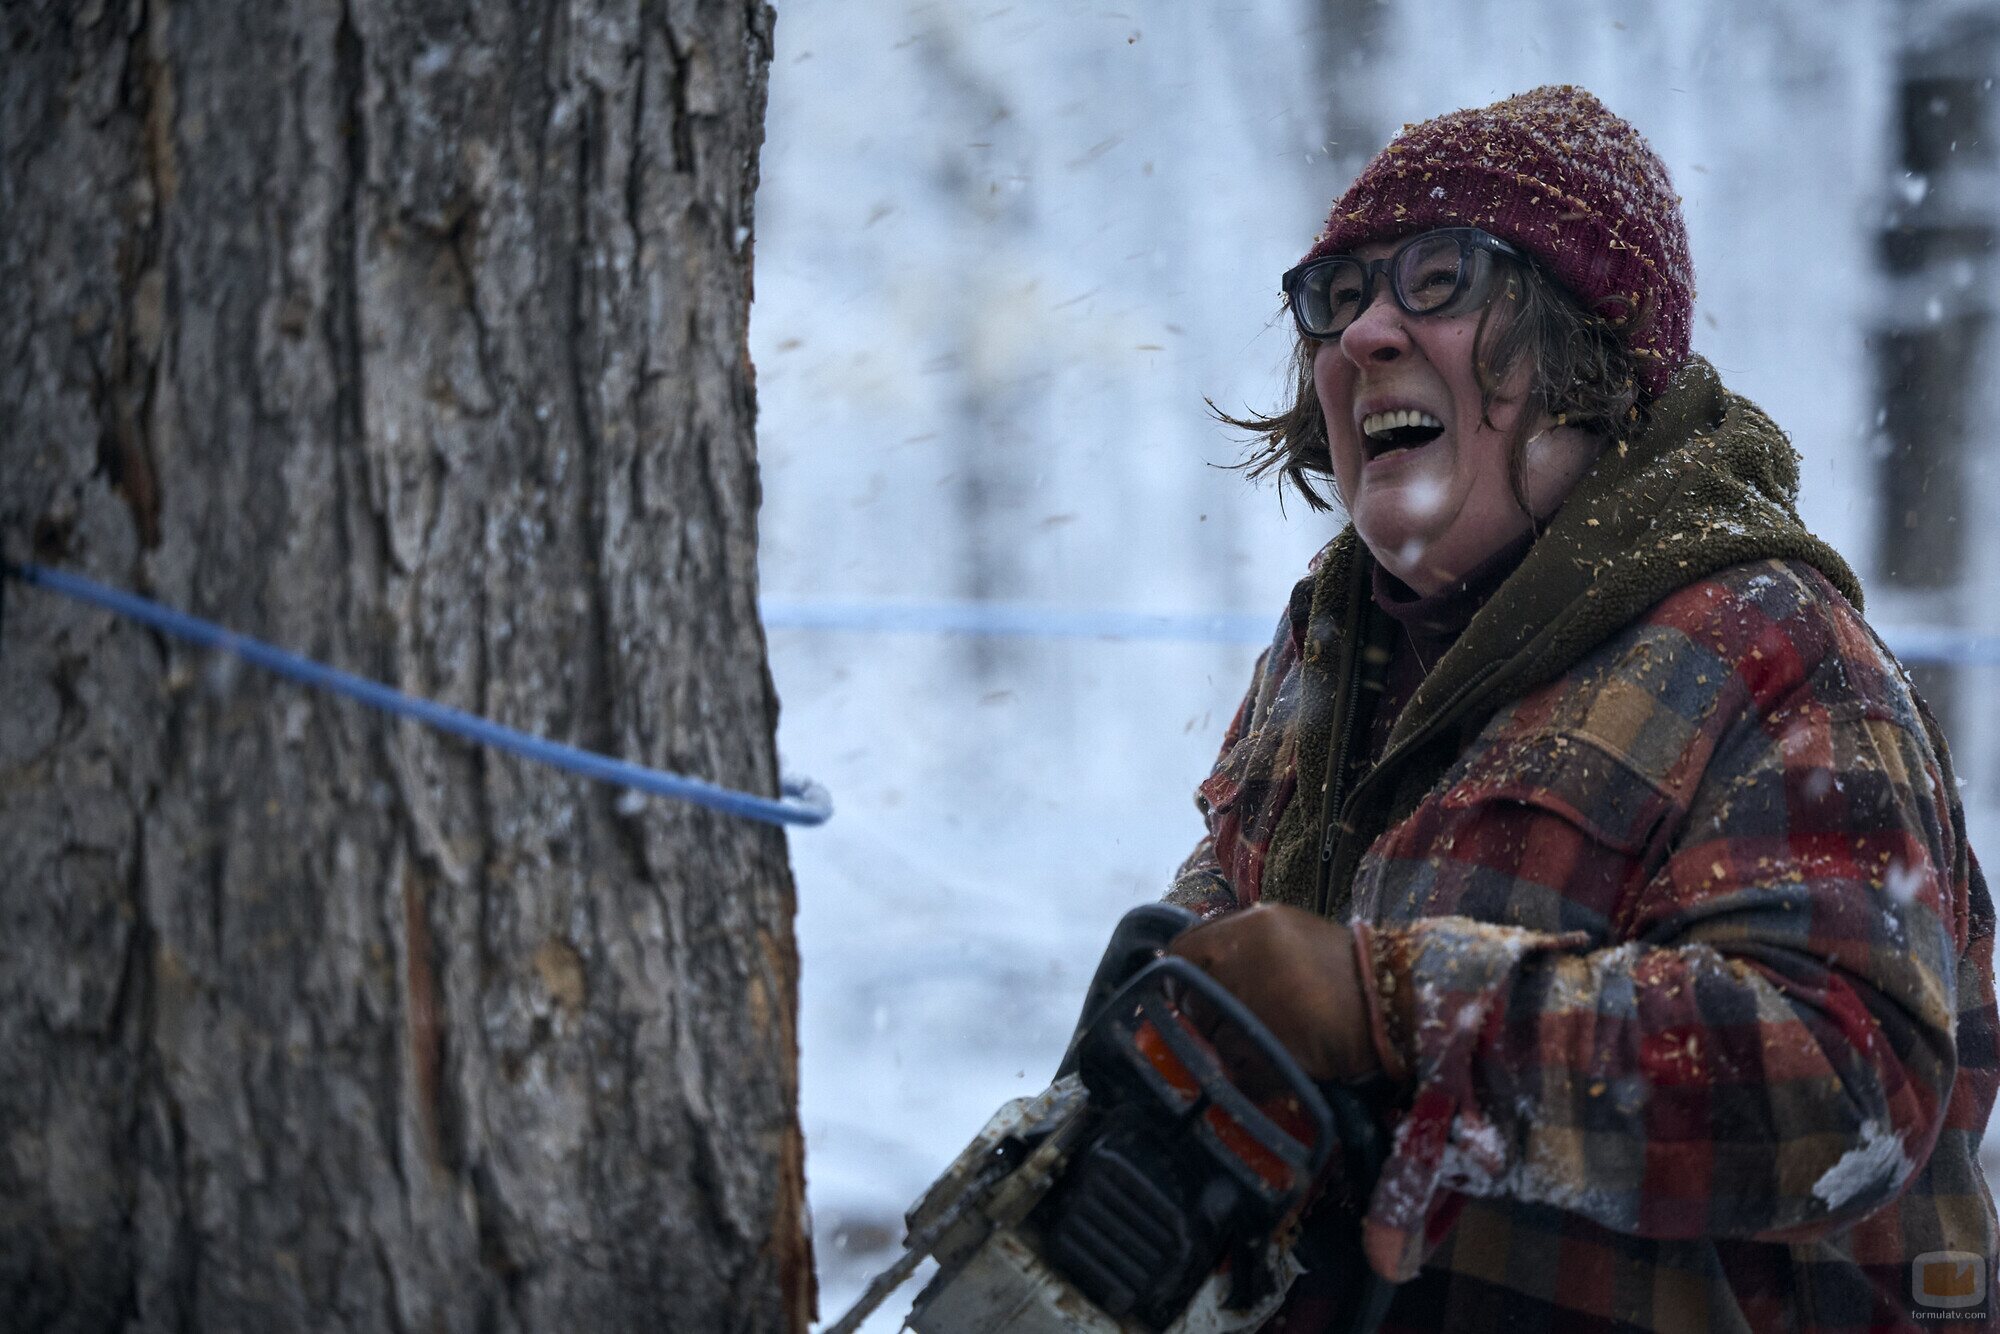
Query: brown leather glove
<point x="1297" y="973"/>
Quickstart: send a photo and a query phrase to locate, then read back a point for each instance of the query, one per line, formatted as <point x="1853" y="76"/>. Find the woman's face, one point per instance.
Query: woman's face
<point x="1432" y="510"/>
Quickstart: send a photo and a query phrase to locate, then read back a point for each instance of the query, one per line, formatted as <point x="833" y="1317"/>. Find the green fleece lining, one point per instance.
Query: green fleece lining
<point x="1712" y="482"/>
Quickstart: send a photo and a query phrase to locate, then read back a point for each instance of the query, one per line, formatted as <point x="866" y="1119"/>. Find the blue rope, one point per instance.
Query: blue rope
<point x="804" y="803"/>
<point x="1013" y="620"/>
<point x="1911" y="644"/>
<point x="1942" y="646"/>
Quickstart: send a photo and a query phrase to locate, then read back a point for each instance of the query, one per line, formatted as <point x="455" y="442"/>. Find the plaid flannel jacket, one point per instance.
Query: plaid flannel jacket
<point x="1690" y="967"/>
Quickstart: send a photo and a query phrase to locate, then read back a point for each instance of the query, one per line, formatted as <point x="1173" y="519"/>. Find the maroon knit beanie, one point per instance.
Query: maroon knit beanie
<point x="1557" y="174"/>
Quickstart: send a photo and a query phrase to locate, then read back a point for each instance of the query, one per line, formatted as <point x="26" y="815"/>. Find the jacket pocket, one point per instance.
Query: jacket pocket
<point x="1569" y="775"/>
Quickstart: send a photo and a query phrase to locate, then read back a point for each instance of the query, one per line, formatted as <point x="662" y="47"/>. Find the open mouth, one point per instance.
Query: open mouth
<point x="1406" y="428"/>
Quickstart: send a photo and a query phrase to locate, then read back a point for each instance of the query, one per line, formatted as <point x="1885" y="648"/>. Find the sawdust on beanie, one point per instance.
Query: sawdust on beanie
<point x="1558" y="175"/>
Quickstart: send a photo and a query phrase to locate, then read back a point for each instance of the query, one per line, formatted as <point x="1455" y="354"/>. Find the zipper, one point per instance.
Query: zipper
<point x="1339" y="758"/>
<point x="1448" y="714"/>
<point x="1338" y="856"/>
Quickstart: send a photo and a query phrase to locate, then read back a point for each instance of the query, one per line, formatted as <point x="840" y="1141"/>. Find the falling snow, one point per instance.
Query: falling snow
<point x="1904" y="882"/>
<point x="1875" y="1164"/>
<point x="1001" y="256"/>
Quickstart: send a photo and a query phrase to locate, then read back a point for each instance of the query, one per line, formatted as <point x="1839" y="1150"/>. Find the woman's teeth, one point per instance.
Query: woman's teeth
<point x="1405" y="428"/>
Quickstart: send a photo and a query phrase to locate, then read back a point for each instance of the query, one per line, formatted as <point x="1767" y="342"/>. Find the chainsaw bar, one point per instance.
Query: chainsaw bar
<point x="985" y="1176"/>
<point x="916" y="1250"/>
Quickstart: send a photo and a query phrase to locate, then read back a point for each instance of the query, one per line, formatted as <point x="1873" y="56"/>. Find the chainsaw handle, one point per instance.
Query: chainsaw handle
<point x="1135" y="942"/>
<point x="1105" y="1061"/>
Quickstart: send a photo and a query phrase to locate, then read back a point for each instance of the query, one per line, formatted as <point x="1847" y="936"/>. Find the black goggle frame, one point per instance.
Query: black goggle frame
<point x="1470" y="241"/>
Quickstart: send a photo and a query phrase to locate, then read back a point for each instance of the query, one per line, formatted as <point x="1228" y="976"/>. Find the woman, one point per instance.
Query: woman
<point x="1574" y="800"/>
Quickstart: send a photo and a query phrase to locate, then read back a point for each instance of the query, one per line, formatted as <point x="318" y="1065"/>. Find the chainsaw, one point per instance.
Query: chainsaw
<point x="1154" y="1187"/>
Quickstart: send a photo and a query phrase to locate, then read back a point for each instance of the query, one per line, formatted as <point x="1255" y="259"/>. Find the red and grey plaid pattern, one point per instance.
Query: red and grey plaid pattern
<point x="1693" y="968"/>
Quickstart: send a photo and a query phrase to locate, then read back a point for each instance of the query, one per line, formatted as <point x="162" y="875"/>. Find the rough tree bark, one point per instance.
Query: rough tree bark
<point x="408" y="333"/>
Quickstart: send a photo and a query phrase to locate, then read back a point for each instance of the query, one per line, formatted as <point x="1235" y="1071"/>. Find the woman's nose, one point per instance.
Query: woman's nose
<point x="1378" y="333"/>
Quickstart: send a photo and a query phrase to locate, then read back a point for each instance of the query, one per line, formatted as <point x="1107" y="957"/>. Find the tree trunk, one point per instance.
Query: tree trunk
<point x="409" y="335"/>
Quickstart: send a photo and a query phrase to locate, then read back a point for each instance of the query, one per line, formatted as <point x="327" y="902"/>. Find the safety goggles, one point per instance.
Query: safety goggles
<point x="1434" y="273"/>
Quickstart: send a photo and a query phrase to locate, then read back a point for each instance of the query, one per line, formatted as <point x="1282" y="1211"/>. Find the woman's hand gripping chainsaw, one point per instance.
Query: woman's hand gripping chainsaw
<point x="1154" y="1187"/>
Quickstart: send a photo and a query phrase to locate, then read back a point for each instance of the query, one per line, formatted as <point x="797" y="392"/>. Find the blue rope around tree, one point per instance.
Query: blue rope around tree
<point x="1940" y="645"/>
<point x="803" y="803"/>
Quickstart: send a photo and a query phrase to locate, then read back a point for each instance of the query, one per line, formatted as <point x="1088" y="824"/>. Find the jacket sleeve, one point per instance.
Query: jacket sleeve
<point x="1252" y="779"/>
<point x="1768" y="1048"/>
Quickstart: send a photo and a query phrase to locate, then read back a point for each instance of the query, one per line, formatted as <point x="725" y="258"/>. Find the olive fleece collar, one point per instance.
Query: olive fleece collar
<point x="1710" y="483"/>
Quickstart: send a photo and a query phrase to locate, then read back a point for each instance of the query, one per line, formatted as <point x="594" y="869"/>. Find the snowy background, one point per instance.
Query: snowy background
<point x="1003" y="254"/>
